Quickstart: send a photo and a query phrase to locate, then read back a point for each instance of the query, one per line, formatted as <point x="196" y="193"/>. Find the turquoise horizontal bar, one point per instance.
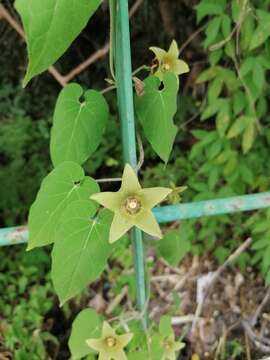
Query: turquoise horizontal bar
<point x="13" y="235"/>
<point x="19" y="235"/>
<point x="212" y="207"/>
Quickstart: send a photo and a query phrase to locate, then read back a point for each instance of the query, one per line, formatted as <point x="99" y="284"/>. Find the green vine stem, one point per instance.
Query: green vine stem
<point x="112" y="7"/>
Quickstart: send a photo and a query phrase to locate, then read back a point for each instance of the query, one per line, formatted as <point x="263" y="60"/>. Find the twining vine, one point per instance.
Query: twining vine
<point x="66" y="212"/>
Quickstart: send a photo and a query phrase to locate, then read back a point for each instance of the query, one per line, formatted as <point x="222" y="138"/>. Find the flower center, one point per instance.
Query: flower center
<point x="133" y="205"/>
<point x="166" y="66"/>
<point x="168" y="345"/>
<point x="111" y="341"/>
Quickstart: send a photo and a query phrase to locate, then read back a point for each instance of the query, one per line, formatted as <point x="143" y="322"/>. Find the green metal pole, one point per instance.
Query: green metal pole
<point x="126" y="110"/>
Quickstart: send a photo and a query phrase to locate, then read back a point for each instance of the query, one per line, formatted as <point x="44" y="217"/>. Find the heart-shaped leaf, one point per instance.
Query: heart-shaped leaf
<point x="155" y="110"/>
<point x="50" y="27"/>
<point x="77" y="126"/>
<point x="86" y="325"/>
<point x="63" y="185"/>
<point x="173" y="247"/>
<point x="81" y="248"/>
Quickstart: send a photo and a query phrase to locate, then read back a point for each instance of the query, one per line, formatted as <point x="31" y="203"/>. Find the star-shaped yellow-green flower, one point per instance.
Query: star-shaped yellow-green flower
<point x="171" y="347"/>
<point x="110" y="346"/>
<point x="168" y="61"/>
<point x="132" y="206"/>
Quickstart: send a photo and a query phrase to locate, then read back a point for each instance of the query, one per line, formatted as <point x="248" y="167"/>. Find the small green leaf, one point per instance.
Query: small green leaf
<point x="206" y="136"/>
<point x="248" y="137"/>
<point x="226" y="25"/>
<point x="247" y="31"/>
<point x="237" y="6"/>
<point x="208" y="74"/>
<point x="50" y="27"/>
<point x="262" y="33"/>
<point x="239" y="102"/>
<point x="156" y="348"/>
<point x="267" y="278"/>
<point x="214" y="149"/>
<point x="231" y="165"/>
<point x="238" y="127"/>
<point x="230" y="49"/>
<point x="266" y="260"/>
<point x="247" y="174"/>
<point x="223" y="118"/>
<point x="77" y="126"/>
<point x="212" y="108"/>
<point x="81" y="248"/>
<point x="253" y="89"/>
<point x="86" y="325"/>
<point x="63" y="185"/>
<point x="207" y="9"/>
<point x="215" y="89"/>
<point x="247" y="66"/>
<point x="165" y="326"/>
<point x="213" y="178"/>
<point x="172" y="247"/>
<point x="155" y="110"/>
<point x="215" y="56"/>
<point x="258" y="77"/>
<point x="261" y="226"/>
<point x="212" y="30"/>
<point x="262" y="243"/>
<point x="221" y="253"/>
<point x="230" y="79"/>
<point x="142" y="355"/>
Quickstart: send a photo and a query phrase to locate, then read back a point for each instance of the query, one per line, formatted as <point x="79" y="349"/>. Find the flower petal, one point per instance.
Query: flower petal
<point x="104" y="356"/>
<point x="171" y="356"/>
<point x="160" y="53"/>
<point x="125" y="339"/>
<point x="153" y="196"/>
<point x="148" y="223"/>
<point x="110" y="200"/>
<point x="120" y="225"/>
<point x="120" y="355"/>
<point x="107" y="330"/>
<point x="130" y="182"/>
<point x="160" y="74"/>
<point x="173" y="50"/>
<point x="179" y="345"/>
<point x="180" y="67"/>
<point x="95" y="344"/>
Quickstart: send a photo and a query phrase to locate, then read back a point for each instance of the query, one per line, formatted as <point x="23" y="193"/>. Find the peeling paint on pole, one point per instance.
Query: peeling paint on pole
<point x="13" y="235"/>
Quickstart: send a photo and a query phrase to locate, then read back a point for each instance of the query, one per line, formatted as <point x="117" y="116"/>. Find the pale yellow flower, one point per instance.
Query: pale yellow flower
<point x="171" y="347"/>
<point x="132" y="206"/>
<point x="110" y="346"/>
<point x="168" y="61"/>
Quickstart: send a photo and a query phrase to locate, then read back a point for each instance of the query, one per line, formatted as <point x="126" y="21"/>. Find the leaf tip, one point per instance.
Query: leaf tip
<point x="25" y="82"/>
<point x="29" y="247"/>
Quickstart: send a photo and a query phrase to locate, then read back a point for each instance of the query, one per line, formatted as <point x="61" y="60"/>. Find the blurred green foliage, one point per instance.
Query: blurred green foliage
<point x="223" y="149"/>
<point x="26" y="297"/>
<point x="24" y="160"/>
